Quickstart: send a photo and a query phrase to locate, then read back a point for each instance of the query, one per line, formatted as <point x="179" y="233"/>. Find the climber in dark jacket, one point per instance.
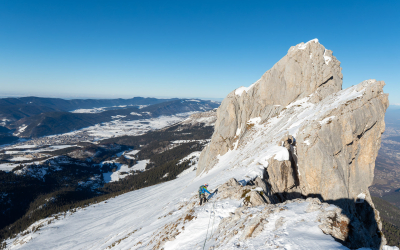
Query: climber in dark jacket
<point x="202" y="193"/>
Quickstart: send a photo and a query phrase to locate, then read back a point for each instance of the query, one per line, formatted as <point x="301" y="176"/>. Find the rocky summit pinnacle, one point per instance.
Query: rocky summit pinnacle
<point x="309" y="137"/>
<point x="308" y="68"/>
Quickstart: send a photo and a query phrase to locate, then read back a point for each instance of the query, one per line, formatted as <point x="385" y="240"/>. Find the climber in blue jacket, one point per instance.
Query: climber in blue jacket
<point x="202" y="193"/>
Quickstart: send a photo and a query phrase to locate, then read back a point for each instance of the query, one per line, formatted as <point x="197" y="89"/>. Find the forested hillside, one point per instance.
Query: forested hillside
<point x="390" y="216"/>
<point x="67" y="185"/>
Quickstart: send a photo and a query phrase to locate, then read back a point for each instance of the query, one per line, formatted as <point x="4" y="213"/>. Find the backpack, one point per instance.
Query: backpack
<point x="200" y="189"/>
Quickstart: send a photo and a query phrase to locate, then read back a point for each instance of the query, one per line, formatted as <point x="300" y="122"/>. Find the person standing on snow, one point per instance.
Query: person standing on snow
<point x="202" y="193"/>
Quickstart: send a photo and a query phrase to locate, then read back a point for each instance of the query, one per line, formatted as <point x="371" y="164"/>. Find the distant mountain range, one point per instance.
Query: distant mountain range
<point x="393" y="117"/>
<point x="394" y="106"/>
<point x="29" y="117"/>
<point x="17" y="108"/>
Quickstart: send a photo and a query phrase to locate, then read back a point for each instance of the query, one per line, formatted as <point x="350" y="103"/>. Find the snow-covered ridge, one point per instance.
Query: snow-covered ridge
<point x="256" y="152"/>
<point x="240" y="90"/>
<point x="304" y="45"/>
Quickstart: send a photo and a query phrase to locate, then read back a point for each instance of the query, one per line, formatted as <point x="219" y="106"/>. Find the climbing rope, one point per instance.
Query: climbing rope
<point x="204" y="245"/>
<point x="208" y="227"/>
<point x="212" y="228"/>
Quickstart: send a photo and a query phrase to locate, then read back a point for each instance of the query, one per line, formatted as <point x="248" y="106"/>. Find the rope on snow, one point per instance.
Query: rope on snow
<point x="204" y="245"/>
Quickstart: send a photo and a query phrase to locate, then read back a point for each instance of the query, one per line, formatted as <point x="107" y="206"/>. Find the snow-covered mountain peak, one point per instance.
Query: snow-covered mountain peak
<point x="304" y="45"/>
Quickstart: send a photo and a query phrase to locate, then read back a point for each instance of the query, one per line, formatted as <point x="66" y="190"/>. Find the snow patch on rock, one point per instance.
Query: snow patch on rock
<point x="304" y="45"/>
<point x="242" y="89"/>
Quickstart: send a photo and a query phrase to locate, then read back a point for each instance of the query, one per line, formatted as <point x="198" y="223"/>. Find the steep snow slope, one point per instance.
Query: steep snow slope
<point x="129" y="221"/>
<point x="168" y="216"/>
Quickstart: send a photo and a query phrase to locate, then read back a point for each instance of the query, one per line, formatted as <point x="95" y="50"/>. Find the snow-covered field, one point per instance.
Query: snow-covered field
<point x="188" y="141"/>
<point x="131" y="154"/>
<point x="119" y="127"/>
<point x="7" y="167"/>
<point x="141" y="165"/>
<point x="123" y="170"/>
<point x="90" y="111"/>
<point x="136" y="220"/>
<point x="20" y="158"/>
<point x="34" y="149"/>
<point x="20" y="129"/>
<point x="102" y="109"/>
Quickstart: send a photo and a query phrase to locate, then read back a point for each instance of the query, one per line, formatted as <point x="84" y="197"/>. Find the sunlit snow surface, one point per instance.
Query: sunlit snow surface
<point x="102" y="225"/>
<point x="130" y="221"/>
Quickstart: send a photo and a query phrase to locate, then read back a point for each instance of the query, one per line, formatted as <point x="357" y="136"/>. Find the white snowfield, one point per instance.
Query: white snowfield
<point x="7" y="167"/>
<point x="33" y="149"/>
<point x="136" y="219"/>
<point x="102" y="109"/>
<point x="21" y="129"/>
<point x="123" y="170"/>
<point x="131" y="154"/>
<point x="136" y="127"/>
<point x="90" y="111"/>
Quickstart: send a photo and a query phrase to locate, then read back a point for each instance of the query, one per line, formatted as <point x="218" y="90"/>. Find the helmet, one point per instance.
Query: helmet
<point x="206" y="185"/>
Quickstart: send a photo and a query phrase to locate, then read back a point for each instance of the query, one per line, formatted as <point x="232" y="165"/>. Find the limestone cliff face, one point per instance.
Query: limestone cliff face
<point x="331" y="136"/>
<point x="306" y="69"/>
<point x="339" y="159"/>
<point x="334" y="160"/>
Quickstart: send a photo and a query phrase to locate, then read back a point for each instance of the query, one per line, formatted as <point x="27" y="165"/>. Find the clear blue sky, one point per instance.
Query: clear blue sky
<point x="185" y="48"/>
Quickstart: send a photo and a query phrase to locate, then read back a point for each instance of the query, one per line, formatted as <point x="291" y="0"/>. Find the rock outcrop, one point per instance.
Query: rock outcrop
<point x="306" y="69"/>
<point x="331" y="137"/>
